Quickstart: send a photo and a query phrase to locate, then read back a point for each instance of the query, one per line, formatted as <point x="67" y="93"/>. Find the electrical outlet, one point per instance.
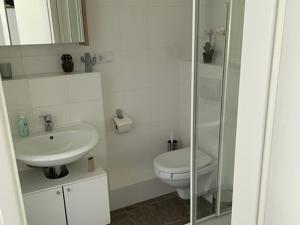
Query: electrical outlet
<point x="105" y="57"/>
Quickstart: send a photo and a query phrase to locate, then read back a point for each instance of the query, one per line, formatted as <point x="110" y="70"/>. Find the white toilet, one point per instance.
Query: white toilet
<point x="173" y="168"/>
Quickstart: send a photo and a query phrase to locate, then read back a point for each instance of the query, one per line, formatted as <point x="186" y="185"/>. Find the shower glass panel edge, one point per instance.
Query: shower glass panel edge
<point x="223" y="102"/>
<point x="193" y="194"/>
<point x="229" y="6"/>
<point x="230" y="93"/>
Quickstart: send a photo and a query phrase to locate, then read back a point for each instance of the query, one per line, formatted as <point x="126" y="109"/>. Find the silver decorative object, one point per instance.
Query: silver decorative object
<point x="89" y="61"/>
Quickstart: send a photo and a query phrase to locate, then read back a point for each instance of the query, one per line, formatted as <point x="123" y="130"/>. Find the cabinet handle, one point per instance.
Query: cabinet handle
<point x="68" y="189"/>
<point x="58" y="192"/>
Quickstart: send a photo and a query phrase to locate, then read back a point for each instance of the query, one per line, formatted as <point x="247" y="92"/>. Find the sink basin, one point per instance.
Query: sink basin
<point x="59" y="147"/>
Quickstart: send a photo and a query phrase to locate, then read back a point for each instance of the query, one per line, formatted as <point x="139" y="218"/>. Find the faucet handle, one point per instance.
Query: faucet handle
<point x="46" y="117"/>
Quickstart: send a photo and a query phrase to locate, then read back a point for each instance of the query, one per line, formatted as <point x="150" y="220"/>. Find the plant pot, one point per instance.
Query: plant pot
<point x="208" y="56"/>
<point x="68" y="67"/>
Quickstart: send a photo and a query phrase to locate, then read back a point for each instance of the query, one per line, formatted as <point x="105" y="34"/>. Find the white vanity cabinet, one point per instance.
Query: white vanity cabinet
<point x="45" y="207"/>
<point x="87" y="202"/>
<point x="80" y="198"/>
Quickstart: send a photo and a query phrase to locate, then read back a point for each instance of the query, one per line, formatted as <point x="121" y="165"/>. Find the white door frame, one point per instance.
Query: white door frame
<point x="11" y="200"/>
<point x="275" y="69"/>
<point x="256" y="99"/>
<point x="263" y="29"/>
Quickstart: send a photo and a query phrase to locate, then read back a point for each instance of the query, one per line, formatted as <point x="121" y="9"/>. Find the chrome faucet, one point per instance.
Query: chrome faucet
<point x="48" y="122"/>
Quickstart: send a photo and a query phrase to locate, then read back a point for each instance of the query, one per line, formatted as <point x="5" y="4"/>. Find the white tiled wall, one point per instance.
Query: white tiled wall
<point x="67" y="98"/>
<point x="148" y="39"/>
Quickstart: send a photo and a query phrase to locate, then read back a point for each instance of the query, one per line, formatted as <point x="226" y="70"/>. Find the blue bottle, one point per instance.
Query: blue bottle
<point x="23" y="125"/>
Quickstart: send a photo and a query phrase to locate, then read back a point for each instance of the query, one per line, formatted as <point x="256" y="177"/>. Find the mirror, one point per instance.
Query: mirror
<point x="43" y="21"/>
<point x="4" y="32"/>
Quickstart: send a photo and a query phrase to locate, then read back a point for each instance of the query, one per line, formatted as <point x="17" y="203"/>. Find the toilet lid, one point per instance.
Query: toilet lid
<point x="179" y="161"/>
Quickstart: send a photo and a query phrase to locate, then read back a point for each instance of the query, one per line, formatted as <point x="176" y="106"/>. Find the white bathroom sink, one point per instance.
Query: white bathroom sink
<point x="59" y="147"/>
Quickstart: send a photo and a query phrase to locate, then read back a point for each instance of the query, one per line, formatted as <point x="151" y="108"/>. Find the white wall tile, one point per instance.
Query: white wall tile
<point x="138" y="145"/>
<point x="90" y="112"/>
<point x="95" y="3"/>
<point x="135" y="69"/>
<point x="10" y="52"/>
<point x="38" y="50"/>
<point x="166" y="2"/>
<point x="118" y="156"/>
<point x="60" y="115"/>
<point x="162" y="22"/>
<point x="16" y="65"/>
<point x="41" y="64"/>
<point x="133" y="2"/>
<point x="17" y="94"/>
<point x="100" y="153"/>
<point x="119" y="177"/>
<point x="163" y="67"/>
<point x="48" y="91"/>
<point x="104" y="22"/>
<point x="84" y="87"/>
<point x="210" y="70"/>
<point x="185" y="101"/>
<point x="185" y="130"/>
<point x="164" y="103"/>
<point x="133" y="26"/>
<point x="129" y="148"/>
<point x="137" y="105"/>
<point x="112" y="73"/>
<point x="160" y="134"/>
<point x="112" y="76"/>
<point x="210" y="88"/>
<point x="142" y="172"/>
<point x="185" y="72"/>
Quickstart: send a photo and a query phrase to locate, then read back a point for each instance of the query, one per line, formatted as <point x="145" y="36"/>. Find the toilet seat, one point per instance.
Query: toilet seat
<point x="175" y="165"/>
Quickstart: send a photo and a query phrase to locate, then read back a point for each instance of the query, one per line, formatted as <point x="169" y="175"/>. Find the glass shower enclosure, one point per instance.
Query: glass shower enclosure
<point x="217" y="44"/>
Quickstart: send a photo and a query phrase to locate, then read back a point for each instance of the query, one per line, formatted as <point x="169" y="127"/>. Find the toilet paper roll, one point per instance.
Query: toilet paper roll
<point x="123" y="129"/>
<point x="122" y="125"/>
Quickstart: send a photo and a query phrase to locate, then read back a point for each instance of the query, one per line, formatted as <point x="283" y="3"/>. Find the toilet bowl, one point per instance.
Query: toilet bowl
<point x="173" y="168"/>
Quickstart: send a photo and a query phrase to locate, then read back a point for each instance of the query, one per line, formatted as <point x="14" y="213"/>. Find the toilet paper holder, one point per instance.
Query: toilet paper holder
<point x="122" y="122"/>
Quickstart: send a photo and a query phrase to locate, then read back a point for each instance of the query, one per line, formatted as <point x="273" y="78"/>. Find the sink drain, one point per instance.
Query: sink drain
<point x="55" y="172"/>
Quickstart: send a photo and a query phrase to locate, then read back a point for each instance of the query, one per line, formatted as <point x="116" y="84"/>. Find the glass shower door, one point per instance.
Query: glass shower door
<point x="230" y="95"/>
<point x="216" y="59"/>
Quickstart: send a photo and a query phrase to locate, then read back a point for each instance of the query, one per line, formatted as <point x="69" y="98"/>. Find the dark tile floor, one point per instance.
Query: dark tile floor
<point x="164" y="210"/>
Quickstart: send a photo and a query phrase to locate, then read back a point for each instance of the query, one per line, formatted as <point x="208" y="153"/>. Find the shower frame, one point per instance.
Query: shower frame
<point x="195" y="60"/>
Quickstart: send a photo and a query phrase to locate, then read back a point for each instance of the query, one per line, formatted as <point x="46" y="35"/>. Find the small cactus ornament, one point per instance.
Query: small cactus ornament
<point x="89" y="61"/>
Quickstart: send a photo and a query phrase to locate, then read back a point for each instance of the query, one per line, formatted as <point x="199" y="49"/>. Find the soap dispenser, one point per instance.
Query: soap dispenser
<point x="23" y="125"/>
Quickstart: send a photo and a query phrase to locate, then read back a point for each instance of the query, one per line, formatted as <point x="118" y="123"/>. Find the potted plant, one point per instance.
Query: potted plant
<point x="208" y="47"/>
<point x="67" y="63"/>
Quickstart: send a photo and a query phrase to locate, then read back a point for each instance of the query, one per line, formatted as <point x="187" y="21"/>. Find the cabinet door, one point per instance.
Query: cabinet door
<point x="45" y="208"/>
<point x="87" y="202"/>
